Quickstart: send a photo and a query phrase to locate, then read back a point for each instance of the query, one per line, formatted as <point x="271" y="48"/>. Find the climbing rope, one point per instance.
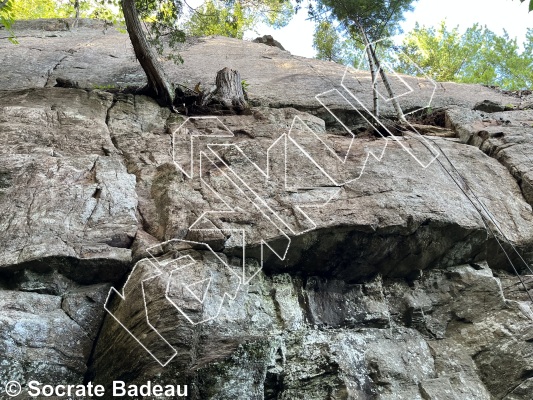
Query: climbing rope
<point x="481" y="214"/>
<point x="484" y="219"/>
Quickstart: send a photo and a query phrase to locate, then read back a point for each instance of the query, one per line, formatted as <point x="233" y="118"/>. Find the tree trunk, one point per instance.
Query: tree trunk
<point x="77" y="11"/>
<point x="372" y="66"/>
<point x="157" y="80"/>
<point x="227" y="92"/>
<point x="382" y="73"/>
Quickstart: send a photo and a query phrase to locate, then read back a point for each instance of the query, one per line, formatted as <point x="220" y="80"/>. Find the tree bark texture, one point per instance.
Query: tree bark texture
<point x="228" y="91"/>
<point x="377" y="65"/>
<point x="157" y="80"/>
<point x="373" y="72"/>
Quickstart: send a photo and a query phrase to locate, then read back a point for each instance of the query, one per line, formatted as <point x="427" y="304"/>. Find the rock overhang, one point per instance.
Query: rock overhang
<point x="111" y="156"/>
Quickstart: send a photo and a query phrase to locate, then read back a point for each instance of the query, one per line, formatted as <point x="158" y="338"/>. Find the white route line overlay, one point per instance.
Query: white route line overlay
<point x="255" y="199"/>
<point x="123" y="298"/>
<point x="157" y="266"/>
<point x="258" y="202"/>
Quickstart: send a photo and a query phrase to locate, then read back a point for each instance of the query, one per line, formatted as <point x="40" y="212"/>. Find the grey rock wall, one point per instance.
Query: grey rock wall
<point x="396" y="278"/>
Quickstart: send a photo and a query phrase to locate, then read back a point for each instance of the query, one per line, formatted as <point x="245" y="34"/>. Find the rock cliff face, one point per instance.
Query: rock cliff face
<point x="270" y="255"/>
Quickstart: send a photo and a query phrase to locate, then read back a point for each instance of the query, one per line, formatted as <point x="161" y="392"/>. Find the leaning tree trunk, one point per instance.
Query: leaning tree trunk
<point x="157" y="80"/>
<point x="382" y="73"/>
<point x="372" y="66"/>
<point x="227" y="92"/>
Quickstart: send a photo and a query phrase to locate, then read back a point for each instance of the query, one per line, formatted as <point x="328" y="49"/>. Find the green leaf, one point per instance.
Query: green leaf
<point x="476" y="56"/>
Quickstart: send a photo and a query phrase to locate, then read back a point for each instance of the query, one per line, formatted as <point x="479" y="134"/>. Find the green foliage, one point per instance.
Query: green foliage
<point x="344" y="43"/>
<point x="161" y="19"/>
<point x="329" y="44"/>
<point x="366" y="22"/>
<point x="276" y="13"/>
<point x="108" y="10"/>
<point x="105" y="87"/>
<point x="378" y="18"/>
<point x="475" y="56"/>
<point x="232" y="18"/>
<point x="33" y="9"/>
<point x="332" y="44"/>
<point x="440" y="53"/>
<point x="7" y="19"/>
<point x="213" y="18"/>
<point x="12" y="10"/>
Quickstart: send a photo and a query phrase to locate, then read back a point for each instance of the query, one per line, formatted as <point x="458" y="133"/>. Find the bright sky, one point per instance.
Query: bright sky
<point x="497" y="15"/>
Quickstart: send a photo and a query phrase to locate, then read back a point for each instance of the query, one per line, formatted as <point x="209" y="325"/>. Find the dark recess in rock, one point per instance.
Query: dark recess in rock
<point x="397" y="289"/>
